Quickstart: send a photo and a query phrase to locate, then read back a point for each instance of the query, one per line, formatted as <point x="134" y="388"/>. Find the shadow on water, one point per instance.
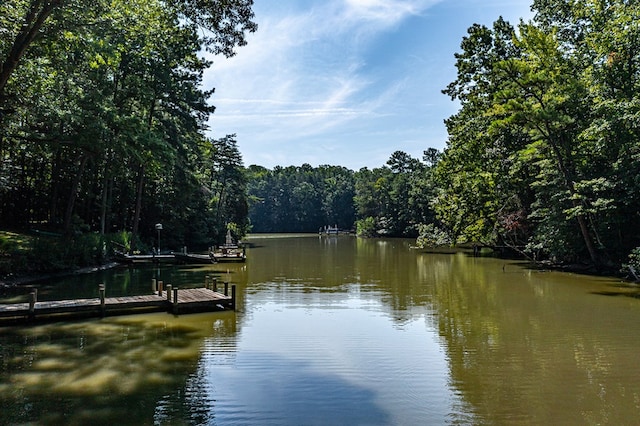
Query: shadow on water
<point x="100" y="372"/>
<point x="621" y="289"/>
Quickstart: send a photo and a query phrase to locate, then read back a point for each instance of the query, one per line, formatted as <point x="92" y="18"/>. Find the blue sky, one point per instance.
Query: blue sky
<point x="345" y="82"/>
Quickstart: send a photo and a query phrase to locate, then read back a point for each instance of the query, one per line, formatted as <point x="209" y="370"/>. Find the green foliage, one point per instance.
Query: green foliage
<point x="398" y="197"/>
<point x="633" y="264"/>
<point x="300" y="199"/>
<point x="366" y="227"/>
<point x="122" y="241"/>
<point x="542" y="150"/>
<point x="389" y="201"/>
<point x="44" y="253"/>
<point x="431" y="236"/>
<point x="102" y="119"/>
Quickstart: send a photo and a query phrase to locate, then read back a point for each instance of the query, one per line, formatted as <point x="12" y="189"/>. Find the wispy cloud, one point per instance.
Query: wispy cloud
<point x="385" y="12"/>
<point x="306" y="66"/>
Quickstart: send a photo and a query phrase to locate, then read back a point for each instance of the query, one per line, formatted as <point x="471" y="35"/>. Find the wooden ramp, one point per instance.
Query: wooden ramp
<point x="172" y="300"/>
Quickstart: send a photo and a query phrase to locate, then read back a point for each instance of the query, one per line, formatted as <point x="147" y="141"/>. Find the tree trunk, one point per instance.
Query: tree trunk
<point x="54" y="217"/>
<point x="586" y="235"/>
<point x="35" y="18"/>
<point x="106" y="183"/>
<point x="138" y="209"/>
<point x="73" y="194"/>
<point x="568" y="171"/>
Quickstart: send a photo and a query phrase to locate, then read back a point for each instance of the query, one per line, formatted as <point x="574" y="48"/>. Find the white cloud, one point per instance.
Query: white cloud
<point x="386" y="12"/>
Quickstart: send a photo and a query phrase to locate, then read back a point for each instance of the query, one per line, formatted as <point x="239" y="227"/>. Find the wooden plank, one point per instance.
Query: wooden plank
<point x="189" y="300"/>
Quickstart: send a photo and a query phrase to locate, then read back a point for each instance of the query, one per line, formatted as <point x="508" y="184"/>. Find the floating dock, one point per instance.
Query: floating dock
<point x="170" y="300"/>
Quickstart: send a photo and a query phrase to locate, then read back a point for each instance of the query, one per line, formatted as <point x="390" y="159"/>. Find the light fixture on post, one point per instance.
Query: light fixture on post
<point x="158" y="228"/>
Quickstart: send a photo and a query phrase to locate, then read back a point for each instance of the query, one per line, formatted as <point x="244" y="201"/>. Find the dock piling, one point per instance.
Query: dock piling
<point x="169" y="293"/>
<point x="33" y="298"/>
<point x="175" y="300"/>
<point x="226" y="288"/>
<point x="160" y="285"/>
<point x="102" y="290"/>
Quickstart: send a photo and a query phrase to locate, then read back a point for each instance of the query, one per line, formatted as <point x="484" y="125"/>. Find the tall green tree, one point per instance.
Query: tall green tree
<point x="480" y="178"/>
<point x="227" y="183"/>
<point x="27" y="20"/>
<point x="395" y="199"/>
<point x="542" y="146"/>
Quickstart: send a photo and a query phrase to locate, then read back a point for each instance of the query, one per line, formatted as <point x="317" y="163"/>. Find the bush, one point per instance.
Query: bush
<point x="633" y="266"/>
<point x="22" y="254"/>
<point x="366" y="227"/>
<point x="55" y="254"/>
<point x="432" y="236"/>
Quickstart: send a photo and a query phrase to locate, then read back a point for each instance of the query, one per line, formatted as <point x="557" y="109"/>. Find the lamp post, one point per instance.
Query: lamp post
<point x="158" y="228"/>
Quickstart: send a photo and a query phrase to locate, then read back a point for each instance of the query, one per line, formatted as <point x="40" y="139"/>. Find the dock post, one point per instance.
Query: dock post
<point x="226" y="288"/>
<point x="101" y="290"/>
<point x="233" y="297"/>
<point x="33" y="298"/>
<point x="160" y="284"/>
<point x="169" y="292"/>
<point x="215" y="284"/>
<point x="154" y="286"/>
<point x="175" y="300"/>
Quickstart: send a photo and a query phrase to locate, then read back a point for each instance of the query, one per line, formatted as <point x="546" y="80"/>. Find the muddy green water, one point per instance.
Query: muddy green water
<point x="337" y="331"/>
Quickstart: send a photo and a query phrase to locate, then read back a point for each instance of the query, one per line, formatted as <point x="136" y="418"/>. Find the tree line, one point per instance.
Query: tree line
<point x="544" y="153"/>
<point x="392" y="200"/>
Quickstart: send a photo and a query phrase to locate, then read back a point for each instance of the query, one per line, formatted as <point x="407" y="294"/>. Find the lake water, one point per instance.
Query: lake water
<point x="337" y="331"/>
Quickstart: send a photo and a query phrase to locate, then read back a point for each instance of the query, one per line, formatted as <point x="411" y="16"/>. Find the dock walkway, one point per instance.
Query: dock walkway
<point x="170" y="300"/>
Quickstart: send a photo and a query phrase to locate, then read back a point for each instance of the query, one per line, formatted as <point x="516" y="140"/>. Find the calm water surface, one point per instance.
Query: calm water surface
<point x="337" y="330"/>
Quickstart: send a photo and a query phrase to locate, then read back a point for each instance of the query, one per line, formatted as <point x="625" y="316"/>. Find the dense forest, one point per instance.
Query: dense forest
<point x="393" y="200"/>
<point x="103" y="135"/>
<point x="544" y="153"/>
<point x="103" y="120"/>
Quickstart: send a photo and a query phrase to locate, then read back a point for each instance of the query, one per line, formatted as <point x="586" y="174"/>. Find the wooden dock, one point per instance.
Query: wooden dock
<point x="133" y="259"/>
<point x="170" y="300"/>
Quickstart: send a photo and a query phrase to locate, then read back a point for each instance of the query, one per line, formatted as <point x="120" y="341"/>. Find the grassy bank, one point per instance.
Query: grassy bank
<point x="37" y="253"/>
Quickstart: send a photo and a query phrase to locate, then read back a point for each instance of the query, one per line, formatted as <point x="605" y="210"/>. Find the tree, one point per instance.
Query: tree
<point x="478" y="176"/>
<point x="300" y="199"/>
<point x="226" y="24"/>
<point x="397" y="198"/>
<point x="226" y="181"/>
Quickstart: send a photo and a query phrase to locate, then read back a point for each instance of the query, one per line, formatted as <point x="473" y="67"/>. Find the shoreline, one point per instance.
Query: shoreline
<point x="30" y="279"/>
